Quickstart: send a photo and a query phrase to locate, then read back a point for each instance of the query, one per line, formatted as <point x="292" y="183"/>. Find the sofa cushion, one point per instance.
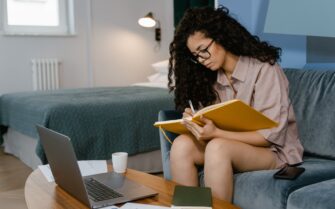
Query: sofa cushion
<point x="258" y="189"/>
<point x="312" y="93"/>
<point x="319" y="195"/>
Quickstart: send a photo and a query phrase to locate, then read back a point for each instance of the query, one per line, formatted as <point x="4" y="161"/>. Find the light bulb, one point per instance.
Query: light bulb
<point x="147" y="22"/>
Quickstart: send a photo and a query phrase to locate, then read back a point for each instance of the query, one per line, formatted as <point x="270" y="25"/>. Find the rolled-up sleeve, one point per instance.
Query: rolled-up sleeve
<point x="271" y="98"/>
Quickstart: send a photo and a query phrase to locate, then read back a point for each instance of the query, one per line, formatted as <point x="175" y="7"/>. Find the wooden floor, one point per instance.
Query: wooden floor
<point x="13" y="175"/>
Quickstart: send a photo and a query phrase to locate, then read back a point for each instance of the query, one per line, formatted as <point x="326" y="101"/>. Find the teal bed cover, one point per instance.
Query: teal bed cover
<point x="99" y="121"/>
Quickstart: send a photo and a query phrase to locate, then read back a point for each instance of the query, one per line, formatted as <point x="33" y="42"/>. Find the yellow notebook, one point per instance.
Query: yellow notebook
<point x="233" y="115"/>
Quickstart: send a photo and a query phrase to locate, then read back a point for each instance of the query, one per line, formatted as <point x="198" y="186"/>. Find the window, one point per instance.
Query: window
<point x="38" y="17"/>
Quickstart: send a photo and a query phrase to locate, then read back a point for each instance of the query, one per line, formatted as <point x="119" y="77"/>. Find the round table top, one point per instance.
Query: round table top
<point x="41" y="194"/>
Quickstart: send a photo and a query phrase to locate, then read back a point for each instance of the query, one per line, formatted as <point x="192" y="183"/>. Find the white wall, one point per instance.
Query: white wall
<point x="16" y="53"/>
<point x="123" y="50"/>
<point x="117" y="51"/>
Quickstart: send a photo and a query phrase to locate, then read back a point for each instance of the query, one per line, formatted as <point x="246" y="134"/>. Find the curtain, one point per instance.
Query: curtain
<point x="180" y="6"/>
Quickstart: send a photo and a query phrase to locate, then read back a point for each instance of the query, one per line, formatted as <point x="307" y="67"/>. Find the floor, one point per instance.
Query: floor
<point x="13" y="175"/>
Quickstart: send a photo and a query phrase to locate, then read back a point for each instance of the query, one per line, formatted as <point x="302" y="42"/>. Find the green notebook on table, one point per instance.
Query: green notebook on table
<point x="192" y="197"/>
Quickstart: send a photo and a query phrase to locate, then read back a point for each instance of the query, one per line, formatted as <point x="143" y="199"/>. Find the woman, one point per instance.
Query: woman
<point x="215" y="59"/>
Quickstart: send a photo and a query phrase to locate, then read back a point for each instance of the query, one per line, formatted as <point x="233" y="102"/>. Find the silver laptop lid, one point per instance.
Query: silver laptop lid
<point x="63" y="163"/>
<point x="64" y="166"/>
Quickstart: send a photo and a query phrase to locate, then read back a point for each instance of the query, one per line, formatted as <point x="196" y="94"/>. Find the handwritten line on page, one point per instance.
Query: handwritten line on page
<point x="87" y="167"/>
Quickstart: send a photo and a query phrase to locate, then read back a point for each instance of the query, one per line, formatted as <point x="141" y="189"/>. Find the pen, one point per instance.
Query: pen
<point x="191" y="105"/>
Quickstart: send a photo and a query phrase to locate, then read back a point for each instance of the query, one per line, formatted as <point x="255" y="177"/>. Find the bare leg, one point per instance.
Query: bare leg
<point x="186" y="153"/>
<point x="223" y="157"/>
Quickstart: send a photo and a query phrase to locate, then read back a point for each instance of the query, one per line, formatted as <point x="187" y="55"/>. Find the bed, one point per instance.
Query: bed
<point x="99" y="121"/>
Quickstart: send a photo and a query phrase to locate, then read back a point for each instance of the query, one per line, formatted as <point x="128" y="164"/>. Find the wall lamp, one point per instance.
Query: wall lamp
<point x="148" y="21"/>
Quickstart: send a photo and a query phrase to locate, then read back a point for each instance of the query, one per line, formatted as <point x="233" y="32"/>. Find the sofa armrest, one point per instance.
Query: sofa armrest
<point x="165" y="145"/>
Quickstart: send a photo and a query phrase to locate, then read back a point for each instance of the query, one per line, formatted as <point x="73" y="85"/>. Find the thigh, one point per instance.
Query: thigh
<point x="185" y="146"/>
<point x="244" y="157"/>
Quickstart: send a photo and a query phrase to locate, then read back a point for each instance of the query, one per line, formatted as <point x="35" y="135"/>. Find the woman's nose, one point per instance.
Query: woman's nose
<point x="201" y="60"/>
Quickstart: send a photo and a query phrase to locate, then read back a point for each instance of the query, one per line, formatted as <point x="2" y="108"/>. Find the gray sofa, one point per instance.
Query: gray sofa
<point x="313" y="97"/>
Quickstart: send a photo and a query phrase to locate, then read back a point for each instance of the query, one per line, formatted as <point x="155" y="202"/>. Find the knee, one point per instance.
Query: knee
<point x="218" y="145"/>
<point x="218" y="150"/>
<point x="182" y="146"/>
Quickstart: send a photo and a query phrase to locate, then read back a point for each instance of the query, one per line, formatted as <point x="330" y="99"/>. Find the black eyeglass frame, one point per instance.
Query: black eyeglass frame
<point x="195" y="58"/>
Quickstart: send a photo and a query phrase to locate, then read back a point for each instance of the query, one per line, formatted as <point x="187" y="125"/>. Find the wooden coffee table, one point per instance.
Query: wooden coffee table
<point x="40" y="194"/>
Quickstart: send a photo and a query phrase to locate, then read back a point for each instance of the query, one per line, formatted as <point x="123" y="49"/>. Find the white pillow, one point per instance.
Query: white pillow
<point x="158" y="78"/>
<point x="161" y="67"/>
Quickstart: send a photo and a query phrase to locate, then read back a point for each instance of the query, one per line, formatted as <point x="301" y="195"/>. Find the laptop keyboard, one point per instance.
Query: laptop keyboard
<point x="99" y="192"/>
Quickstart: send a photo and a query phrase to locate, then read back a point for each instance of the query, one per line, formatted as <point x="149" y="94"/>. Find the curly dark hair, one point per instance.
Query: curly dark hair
<point x="195" y="82"/>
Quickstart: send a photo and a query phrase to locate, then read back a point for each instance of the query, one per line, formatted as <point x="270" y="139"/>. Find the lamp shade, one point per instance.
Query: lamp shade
<point x="301" y="17"/>
<point x="147" y="21"/>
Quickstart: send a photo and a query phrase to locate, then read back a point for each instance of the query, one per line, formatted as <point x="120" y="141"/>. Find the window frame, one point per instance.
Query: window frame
<point x="66" y="26"/>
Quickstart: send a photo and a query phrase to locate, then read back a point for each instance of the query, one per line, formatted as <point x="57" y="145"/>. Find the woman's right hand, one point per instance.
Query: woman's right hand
<point x="187" y="113"/>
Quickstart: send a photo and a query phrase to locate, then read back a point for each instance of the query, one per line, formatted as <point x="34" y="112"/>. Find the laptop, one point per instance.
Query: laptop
<point x="95" y="191"/>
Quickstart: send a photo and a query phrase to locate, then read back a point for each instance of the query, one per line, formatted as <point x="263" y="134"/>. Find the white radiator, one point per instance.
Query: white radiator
<point x="45" y="74"/>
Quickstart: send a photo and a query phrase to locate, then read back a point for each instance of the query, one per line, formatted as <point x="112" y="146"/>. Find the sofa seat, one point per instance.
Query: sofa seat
<point x="320" y="195"/>
<point x="258" y="189"/>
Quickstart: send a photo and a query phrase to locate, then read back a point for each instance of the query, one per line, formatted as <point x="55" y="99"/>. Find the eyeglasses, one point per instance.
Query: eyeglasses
<point x="203" y="54"/>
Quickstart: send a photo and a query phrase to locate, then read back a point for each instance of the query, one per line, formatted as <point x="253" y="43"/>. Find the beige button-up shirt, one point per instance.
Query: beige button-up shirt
<point x="265" y="88"/>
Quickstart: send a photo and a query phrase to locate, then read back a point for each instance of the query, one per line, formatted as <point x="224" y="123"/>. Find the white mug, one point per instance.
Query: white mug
<point x="119" y="161"/>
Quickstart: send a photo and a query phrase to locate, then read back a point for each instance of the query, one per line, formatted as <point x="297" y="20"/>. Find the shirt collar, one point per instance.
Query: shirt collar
<point x="240" y="72"/>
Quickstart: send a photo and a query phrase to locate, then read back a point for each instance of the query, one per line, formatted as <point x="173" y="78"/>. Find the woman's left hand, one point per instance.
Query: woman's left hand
<point x="205" y="132"/>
